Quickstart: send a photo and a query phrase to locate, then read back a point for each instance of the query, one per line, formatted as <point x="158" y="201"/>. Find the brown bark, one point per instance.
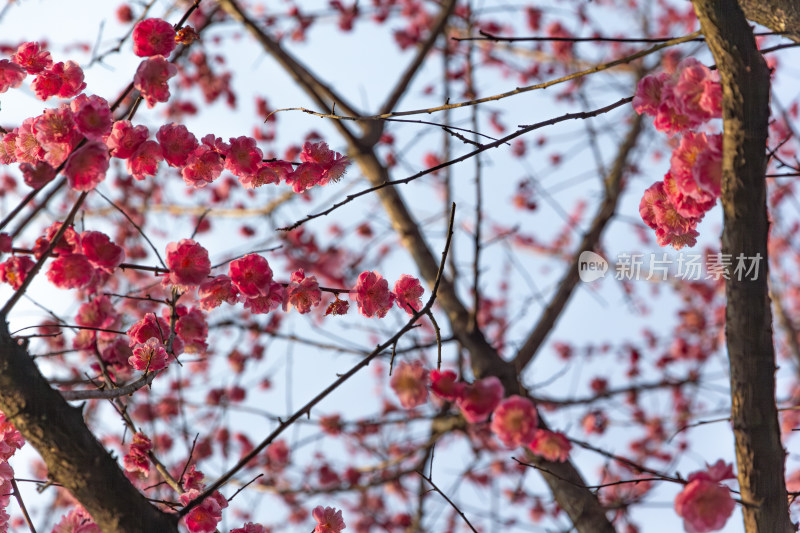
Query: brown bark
<point x="745" y="86"/>
<point x="777" y="15"/>
<point x="73" y="456"/>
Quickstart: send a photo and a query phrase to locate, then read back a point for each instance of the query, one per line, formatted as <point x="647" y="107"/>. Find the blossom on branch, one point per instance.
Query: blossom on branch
<point x="302" y="293"/>
<point x="100" y="251"/>
<point x="212" y="292"/>
<point x="37" y="176"/>
<point x="408" y="293"/>
<point x="77" y="521"/>
<point x="270" y="300"/>
<point x="479" y="399"/>
<point x="514" y="421"/>
<point x="410" y="383"/>
<point x="444" y="384"/>
<point x="150" y="356"/>
<point x="682" y="101"/>
<point x="11" y="75"/>
<point x="125" y="138"/>
<point x="152" y="77"/>
<point x="153" y="37"/>
<point x="552" y="446"/>
<point x="144" y="160"/>
<point x="704" y="504"/>
<point x="188" y="264"/>
<point x="32" y="58"/>
<point x="372" y="295"/>
<point x="136" y="460"/>
<point x="329" y="520"/>
<point x="205" y="517"/>
<point x="92" y="116"/>
<point x="87" y="166"/>
<point x="177" y="144"/>
<point x="337" y="307"/>
<point x="64" y="80"/>
<point x="244" y="157"/>
<point x="251" y="275"/>
<point x="73" y="271"/>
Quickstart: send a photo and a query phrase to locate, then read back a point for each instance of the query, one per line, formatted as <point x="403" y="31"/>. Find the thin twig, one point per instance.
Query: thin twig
<point x="448" y="500"/>
<point x="522" y="131"/>
<point x="22" y="507"/>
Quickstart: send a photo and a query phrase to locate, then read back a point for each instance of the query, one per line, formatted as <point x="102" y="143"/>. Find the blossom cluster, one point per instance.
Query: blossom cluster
<point x="680" y="103"/>
<point x="373" y="296"/>
<point x="10" y="442"/>
<point x="78" y="520"/>
<point x="43" y="143"/>
<point x="250" y="280"/>
<point x="83" y="259"/>
<point x="136" y="459"/>
<point x="514" y="419"/>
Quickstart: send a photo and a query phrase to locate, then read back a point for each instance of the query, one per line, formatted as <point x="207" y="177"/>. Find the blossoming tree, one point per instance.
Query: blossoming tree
<point x="178" y="349"/>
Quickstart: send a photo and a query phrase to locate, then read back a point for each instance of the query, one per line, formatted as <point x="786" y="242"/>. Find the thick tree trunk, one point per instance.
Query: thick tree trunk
<point x="745" y="86"/>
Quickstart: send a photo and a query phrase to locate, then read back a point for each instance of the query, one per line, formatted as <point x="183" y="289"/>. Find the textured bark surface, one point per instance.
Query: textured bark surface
<point x="73" y="456"/>
<point x="745" y="84"/>
<point x="777" y="15"/>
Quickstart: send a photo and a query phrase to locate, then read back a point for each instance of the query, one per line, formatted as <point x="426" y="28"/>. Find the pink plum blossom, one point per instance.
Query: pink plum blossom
<point x="153" y="37"/>
<point x="302" y="293"/>
<point x="410" y="383"/>
<point x="212" y="292"/>
<point x="329" y="520"/>
<point x="408" y="293"/>
<point x="704" y="504"/>
<point x="152" y="79"/>
<point x="244" y="157"/>
<point x="72" y="271"/>
<point x="177" y="144"/>
<point x="125" y="138"/>
<point x="204" y="166"/>
<point x="251" y="275"/>
<point x="552" y="446"/>
<point x="188" y="263"/>
<point x="100" y="251"/>
<point x="32" y="58"/>
<point x="271" y="299"/>
<point x="144" y="160"/>
<point x="11" y="75"/>
<point x="444" y="384"/>
<point x="87" y="166"/>
<point x="37" y="176"/>
<point x="15" y="269"/>
<point x="205" y="517"/>
<point x="136" y="460"/>
<point x="92" y="116"/>
<point x="372" y="295"/>
<point x="514" y="421"/>
<point x="479" y="399"/>
<point x="150" y="356"/>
